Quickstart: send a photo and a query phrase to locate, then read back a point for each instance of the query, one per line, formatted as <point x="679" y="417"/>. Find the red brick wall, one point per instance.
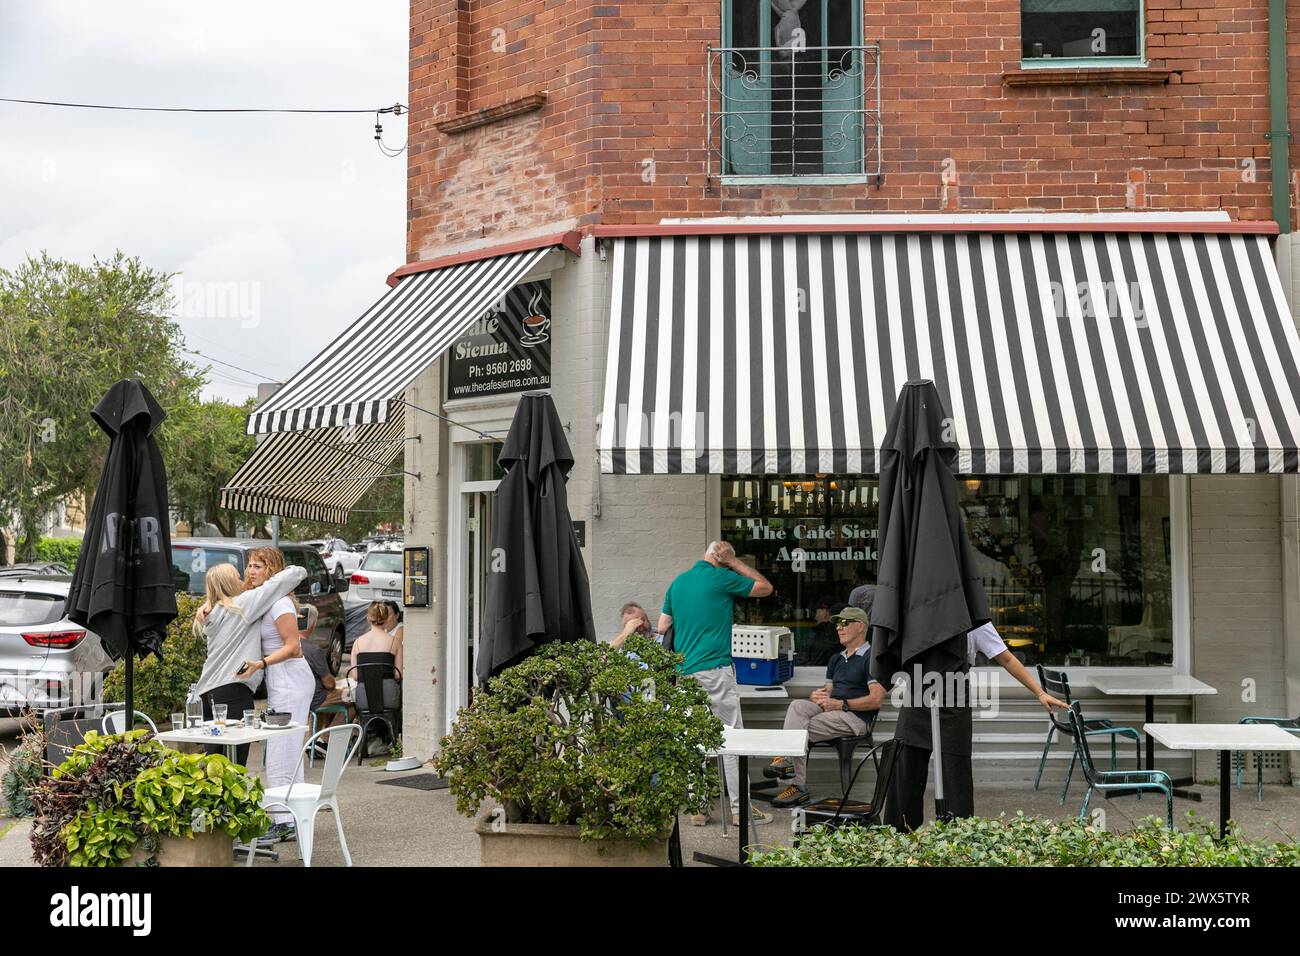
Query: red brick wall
<point x="625" y="84"/>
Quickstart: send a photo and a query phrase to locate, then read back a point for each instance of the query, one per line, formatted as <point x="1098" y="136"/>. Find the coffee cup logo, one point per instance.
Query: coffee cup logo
<point x="535" y="324"/>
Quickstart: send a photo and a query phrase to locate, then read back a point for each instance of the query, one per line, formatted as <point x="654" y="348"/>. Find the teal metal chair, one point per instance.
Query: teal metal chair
<point x="1289" y="724"/>
<point x="1057" y="684"/>
<point x="1104" y="780"/>
<point x="340" y="709"/>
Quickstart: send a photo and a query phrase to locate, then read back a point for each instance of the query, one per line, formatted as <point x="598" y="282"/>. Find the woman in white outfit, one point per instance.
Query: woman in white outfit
<point x="289" y="681"/>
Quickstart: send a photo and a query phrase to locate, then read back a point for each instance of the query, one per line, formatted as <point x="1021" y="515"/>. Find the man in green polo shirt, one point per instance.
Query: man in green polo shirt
<point x="698" y="606"/>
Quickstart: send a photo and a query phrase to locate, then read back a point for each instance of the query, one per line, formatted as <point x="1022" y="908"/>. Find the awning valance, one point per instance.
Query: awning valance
<point x="359" y="377"/>
<point x="316" y="475"/>
<point x="1118" y="352"/>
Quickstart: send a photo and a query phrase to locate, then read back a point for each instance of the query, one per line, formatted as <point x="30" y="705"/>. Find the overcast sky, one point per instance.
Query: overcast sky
<point x="282" y="227"/>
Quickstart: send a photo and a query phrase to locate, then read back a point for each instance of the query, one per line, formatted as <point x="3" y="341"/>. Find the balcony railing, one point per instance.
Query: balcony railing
<point x="794" y="112"/>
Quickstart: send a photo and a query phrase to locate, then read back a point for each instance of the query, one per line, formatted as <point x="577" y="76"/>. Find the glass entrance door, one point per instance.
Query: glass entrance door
<point x="477" y="510"/>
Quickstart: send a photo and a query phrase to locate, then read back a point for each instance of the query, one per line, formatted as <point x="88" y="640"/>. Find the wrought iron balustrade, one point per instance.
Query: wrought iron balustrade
<point x="794" y="111"/>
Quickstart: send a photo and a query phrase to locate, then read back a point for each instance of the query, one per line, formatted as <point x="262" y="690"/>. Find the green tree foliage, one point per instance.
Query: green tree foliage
<point x="67" y="333"/>
<point x="203" y="444"/>
<point x="382" y="503"/>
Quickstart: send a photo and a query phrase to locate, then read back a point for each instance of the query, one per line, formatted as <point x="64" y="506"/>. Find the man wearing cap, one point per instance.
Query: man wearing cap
<point x="837" y="709"/>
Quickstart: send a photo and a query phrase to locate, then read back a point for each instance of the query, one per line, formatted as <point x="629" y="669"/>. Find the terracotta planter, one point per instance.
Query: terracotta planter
<point x="205" y="849"/>
<point x="539" y="844"/>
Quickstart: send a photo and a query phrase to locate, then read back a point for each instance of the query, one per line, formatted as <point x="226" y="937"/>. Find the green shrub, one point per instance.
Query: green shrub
<point x="1026" y="841"/>
<point x="114" y="792"/>
<point x="584" y="734"/>
<point x="200" y="793"/>
<point x="84" y="795"/>
<point x="21" y="776"/>
<point x="63" y="550"/>
<point x="161" y="685"/>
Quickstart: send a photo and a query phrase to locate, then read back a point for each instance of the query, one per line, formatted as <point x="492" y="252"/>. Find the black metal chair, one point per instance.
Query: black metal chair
<point x="377" y="697"/>
<point x="1057" y="683"/>
<point x="845" y="747"/>
<point x="836" y="810"/>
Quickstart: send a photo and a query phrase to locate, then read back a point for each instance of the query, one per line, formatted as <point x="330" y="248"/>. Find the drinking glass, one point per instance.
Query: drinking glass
<point x="250" y="719"/>
<point x="219" y="712"/>
<point x="178" y="721"/>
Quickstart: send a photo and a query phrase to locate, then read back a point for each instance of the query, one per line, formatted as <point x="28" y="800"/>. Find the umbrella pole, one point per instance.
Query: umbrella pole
<point x="130" y="690"/>
<point x="936" y="749"/>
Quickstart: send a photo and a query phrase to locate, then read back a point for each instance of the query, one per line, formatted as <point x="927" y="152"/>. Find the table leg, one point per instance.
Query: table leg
<point x="1151" y="744"/>
<point x="744" y="808"/>
<point x="1225" y="791"/>
<point x="1151" y="763"/>
<point x="255" y="847"/>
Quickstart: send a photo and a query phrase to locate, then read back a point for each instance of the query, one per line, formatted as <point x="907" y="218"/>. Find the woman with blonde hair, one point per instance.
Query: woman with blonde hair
<point x="230" y="621"/>
<point x="289" y="680"/>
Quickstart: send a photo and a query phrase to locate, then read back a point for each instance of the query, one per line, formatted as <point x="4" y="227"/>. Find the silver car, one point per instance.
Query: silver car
<point x="45" y="659"/>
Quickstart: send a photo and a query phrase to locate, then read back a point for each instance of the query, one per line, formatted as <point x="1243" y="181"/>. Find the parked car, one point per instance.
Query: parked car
<point x="338" y="556"/>
<point x="379" y="578"/>
<point x="191" y="558"/>
<point x="45" y="660"/>
<point x="34" y="568"/>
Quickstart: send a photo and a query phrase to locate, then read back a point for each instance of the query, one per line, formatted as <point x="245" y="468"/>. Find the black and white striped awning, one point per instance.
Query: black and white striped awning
<point x="1119" y="352"/>
<point x="359" y="377"/>
<point x="316" y="475"/>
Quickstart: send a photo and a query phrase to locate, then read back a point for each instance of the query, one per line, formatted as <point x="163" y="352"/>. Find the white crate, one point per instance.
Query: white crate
<point x="761" y="642"/>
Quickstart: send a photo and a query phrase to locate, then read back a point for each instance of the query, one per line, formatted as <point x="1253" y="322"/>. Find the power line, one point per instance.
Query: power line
<point x="257" y="375"/>
<point x="397" y="109"/>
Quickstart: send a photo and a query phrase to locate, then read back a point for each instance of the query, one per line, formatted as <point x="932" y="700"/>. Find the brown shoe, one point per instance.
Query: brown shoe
<point x="779" y="769"/>
<point x="699" y="819"/>
<point x="791" y="796"/>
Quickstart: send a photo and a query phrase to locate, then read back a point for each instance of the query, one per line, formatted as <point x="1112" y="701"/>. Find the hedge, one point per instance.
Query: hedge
<point x="63" y="550"/>
<point x="1026" y="841"/>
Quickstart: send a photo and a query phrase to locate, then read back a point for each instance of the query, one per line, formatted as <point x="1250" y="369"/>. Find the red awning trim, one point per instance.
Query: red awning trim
<point x="1265" y="227"/>
<point x="569" y="240"/>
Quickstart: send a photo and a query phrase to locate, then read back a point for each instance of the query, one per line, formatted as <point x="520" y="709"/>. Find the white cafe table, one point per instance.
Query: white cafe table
<point x="743" y="743"/>
<point x="1225" y="738"/>
<point x="1150" y="686"/>
<point x="233" y="736"/>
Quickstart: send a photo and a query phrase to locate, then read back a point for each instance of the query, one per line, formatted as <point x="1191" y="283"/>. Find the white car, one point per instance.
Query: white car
<point x="45" y="659"/>
<point x="337" y="555"/>
<point x="378" y="579"/>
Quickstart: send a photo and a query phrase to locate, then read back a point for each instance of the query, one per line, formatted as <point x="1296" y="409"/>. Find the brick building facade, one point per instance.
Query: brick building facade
<point x="1001" y="179"/>
<point x="964" y="127"/>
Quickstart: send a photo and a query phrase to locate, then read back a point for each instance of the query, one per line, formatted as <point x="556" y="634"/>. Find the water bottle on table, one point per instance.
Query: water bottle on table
<point x="193" y="708"/>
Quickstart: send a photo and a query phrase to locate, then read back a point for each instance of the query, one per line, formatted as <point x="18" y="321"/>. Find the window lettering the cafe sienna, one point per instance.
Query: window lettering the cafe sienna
<point x="1076" y="567"/>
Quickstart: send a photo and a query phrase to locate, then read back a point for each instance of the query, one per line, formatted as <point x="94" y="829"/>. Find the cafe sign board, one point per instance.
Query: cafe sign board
<point x="507" y="348"/>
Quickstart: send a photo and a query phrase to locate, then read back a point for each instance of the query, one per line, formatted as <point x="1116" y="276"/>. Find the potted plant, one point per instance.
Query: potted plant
<point x="128" y="800"/>
<point x="198" y="805"/>
<point x="589" y="754"/>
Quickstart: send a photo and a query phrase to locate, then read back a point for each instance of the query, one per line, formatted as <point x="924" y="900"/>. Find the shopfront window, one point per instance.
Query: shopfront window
<point x="1076" y="568"/>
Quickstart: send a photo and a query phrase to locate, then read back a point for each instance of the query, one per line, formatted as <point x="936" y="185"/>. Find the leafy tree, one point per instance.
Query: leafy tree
<point x="67" y="333"/>
<point x="382" y="503"/>
<point x="204" y="444"/>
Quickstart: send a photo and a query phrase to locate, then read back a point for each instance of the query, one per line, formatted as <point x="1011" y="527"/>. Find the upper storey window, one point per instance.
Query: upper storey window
<point x="794" y="92"/>
<point x="1063" y="33"/>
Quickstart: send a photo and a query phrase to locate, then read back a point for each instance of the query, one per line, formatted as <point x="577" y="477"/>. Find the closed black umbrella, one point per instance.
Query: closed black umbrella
<point x="927" y="596"/>
<point x="537" y="587"/>
<point x="122" y="588"/>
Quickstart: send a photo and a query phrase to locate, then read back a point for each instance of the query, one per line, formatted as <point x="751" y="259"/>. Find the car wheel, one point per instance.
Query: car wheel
<point x="335" y="655"/>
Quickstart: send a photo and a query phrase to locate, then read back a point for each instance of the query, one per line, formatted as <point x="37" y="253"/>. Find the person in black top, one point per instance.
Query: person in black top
<point x="834" y="710"/>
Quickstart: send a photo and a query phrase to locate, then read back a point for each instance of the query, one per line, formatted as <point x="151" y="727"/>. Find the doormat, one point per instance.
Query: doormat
<point x="424" y="781"/>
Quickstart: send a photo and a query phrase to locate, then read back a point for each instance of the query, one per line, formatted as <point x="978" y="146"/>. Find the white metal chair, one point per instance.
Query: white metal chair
<point x="305" y="800"/>
<point x="115" y="722"/>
